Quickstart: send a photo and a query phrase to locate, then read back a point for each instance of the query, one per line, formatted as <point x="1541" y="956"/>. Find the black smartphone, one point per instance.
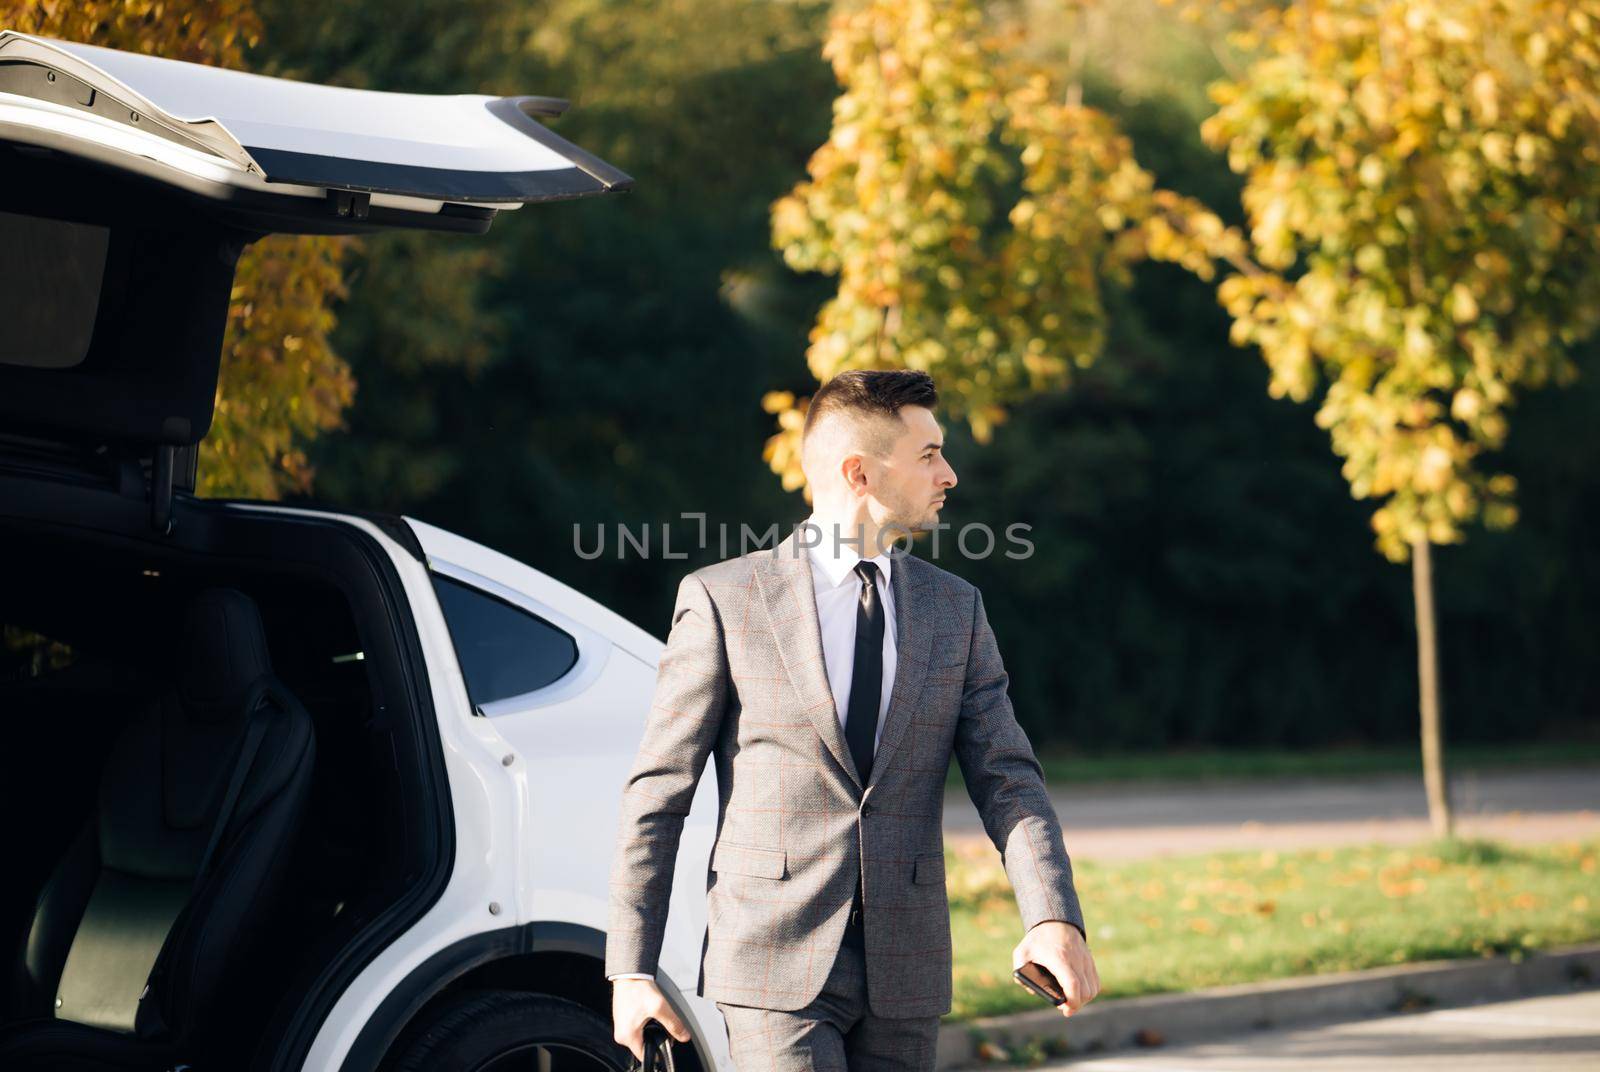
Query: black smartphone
<point x="1041" y="982"/>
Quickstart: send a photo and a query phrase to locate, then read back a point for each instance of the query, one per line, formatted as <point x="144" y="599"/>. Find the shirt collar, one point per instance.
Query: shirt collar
<point x="836" y="559"/>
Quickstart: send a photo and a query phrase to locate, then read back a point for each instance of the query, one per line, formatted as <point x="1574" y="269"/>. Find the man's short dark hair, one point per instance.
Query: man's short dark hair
<point x="871" y="393"/>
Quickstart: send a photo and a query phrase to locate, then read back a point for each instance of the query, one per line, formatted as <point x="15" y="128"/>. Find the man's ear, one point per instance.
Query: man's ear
<point x="853" y="468"/>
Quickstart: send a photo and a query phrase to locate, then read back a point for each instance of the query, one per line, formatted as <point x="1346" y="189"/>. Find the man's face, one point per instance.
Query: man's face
<point x="913" y="479"/>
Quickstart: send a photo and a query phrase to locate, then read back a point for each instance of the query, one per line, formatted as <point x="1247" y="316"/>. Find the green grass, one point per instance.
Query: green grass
<point x="1063" y="767"/>
<point x="1186" y="922"/>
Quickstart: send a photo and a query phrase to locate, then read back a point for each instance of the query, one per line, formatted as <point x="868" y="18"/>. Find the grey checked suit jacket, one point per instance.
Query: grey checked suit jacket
<point x="742" y="681"/>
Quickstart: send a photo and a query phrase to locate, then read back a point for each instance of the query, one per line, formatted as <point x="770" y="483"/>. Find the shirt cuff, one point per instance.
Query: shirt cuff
<point x="630" y="975"/>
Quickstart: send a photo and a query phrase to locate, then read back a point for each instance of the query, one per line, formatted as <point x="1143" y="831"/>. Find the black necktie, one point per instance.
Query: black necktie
<point x="866" y="676"/>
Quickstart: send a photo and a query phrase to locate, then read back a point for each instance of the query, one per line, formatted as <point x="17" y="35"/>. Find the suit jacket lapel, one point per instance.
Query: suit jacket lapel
<point x="791" y="605"/>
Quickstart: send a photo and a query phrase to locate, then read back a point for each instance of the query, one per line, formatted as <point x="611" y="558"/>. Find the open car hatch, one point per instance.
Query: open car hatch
<point x="129" y="185"/>
<point x="227" y="134"/>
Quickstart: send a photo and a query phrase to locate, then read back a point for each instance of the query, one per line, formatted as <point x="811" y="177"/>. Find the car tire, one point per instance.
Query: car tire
<point x="490" y="1029"/>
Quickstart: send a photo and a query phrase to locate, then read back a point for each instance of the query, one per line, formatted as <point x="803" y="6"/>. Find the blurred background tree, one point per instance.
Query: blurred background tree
<point x="1423" y="191"/>
<point x="281" y="383"/>
<point x="971" y="205"/>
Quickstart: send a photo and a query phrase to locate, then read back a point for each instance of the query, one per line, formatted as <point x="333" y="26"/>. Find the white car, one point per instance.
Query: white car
<point x="286" y="788"/>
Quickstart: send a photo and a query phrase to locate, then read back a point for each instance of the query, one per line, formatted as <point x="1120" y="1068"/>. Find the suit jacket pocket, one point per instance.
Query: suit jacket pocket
<point x="749" y="860"/>
<point x="929" y="868"/>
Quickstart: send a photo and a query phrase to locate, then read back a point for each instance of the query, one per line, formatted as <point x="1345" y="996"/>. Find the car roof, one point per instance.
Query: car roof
<point x="209" y="128"/>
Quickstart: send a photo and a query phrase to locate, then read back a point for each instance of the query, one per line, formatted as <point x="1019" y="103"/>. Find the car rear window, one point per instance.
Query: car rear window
<point x="50" y="281"/>
<point x="504" y="650"/>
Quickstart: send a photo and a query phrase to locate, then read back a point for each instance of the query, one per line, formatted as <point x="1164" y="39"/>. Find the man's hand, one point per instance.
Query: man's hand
<point x="1057" y="947"/>
<point x="633" y="1001"/>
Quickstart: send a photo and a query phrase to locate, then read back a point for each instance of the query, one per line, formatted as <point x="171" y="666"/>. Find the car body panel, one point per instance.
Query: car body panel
<point x="484" y="802"/>
<point x="535" y="836"/>
<point x="580" y="747"/>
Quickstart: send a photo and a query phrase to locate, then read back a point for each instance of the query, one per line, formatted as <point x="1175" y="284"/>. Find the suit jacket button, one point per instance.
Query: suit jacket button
<point x="866" y="808"/>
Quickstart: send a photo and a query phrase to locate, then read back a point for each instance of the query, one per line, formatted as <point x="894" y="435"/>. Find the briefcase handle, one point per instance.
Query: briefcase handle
<point x="657" y="1050"/>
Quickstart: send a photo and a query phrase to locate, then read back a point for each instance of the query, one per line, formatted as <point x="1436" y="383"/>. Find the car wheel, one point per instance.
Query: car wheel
<point x="502" y="1030"/>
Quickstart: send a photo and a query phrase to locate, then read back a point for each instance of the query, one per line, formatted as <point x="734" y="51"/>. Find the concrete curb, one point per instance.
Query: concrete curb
<point x="1241" y="1008"/>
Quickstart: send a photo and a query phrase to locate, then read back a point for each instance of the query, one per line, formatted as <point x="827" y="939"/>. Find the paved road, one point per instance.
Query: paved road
<point x="1543" y="1034"/>
<point x="1128" y="820"/>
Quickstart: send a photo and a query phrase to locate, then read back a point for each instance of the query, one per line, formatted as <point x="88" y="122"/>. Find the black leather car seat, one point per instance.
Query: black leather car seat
<point x="130" y="942"/>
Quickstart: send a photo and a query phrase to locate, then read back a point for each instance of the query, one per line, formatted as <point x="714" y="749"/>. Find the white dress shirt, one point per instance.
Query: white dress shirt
<point x="838" y="590"/>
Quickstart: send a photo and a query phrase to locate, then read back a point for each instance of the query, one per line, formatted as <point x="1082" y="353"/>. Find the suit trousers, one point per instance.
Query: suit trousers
<point x="834" y="1033"/>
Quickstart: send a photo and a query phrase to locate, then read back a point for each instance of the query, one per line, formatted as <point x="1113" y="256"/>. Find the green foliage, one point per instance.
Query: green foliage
<point x="1424" y="201"/>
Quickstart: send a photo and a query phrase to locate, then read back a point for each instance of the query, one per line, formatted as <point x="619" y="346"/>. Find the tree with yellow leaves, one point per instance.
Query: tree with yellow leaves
<point x="938" y="125"/>
<point x="280" y="382"/>
<point x="1423" y="193"/>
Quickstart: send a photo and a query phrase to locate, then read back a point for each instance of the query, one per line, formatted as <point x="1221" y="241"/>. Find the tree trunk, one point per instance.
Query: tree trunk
<point x="1433" y="773"/>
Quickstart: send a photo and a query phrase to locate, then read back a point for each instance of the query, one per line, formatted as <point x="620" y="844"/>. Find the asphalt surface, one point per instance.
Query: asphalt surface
<point x="1540" y="1034"/>
<point x="1140" y="819"/>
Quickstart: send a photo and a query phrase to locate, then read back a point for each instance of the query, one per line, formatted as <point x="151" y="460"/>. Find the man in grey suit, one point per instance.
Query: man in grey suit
<point x="830" y="679"/>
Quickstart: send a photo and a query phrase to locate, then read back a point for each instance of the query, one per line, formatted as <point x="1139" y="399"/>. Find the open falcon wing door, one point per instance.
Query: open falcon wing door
<point x="129" y="185"/>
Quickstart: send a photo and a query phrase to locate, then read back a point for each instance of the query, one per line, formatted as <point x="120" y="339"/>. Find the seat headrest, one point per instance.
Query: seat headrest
<point x="224" y="652"/>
